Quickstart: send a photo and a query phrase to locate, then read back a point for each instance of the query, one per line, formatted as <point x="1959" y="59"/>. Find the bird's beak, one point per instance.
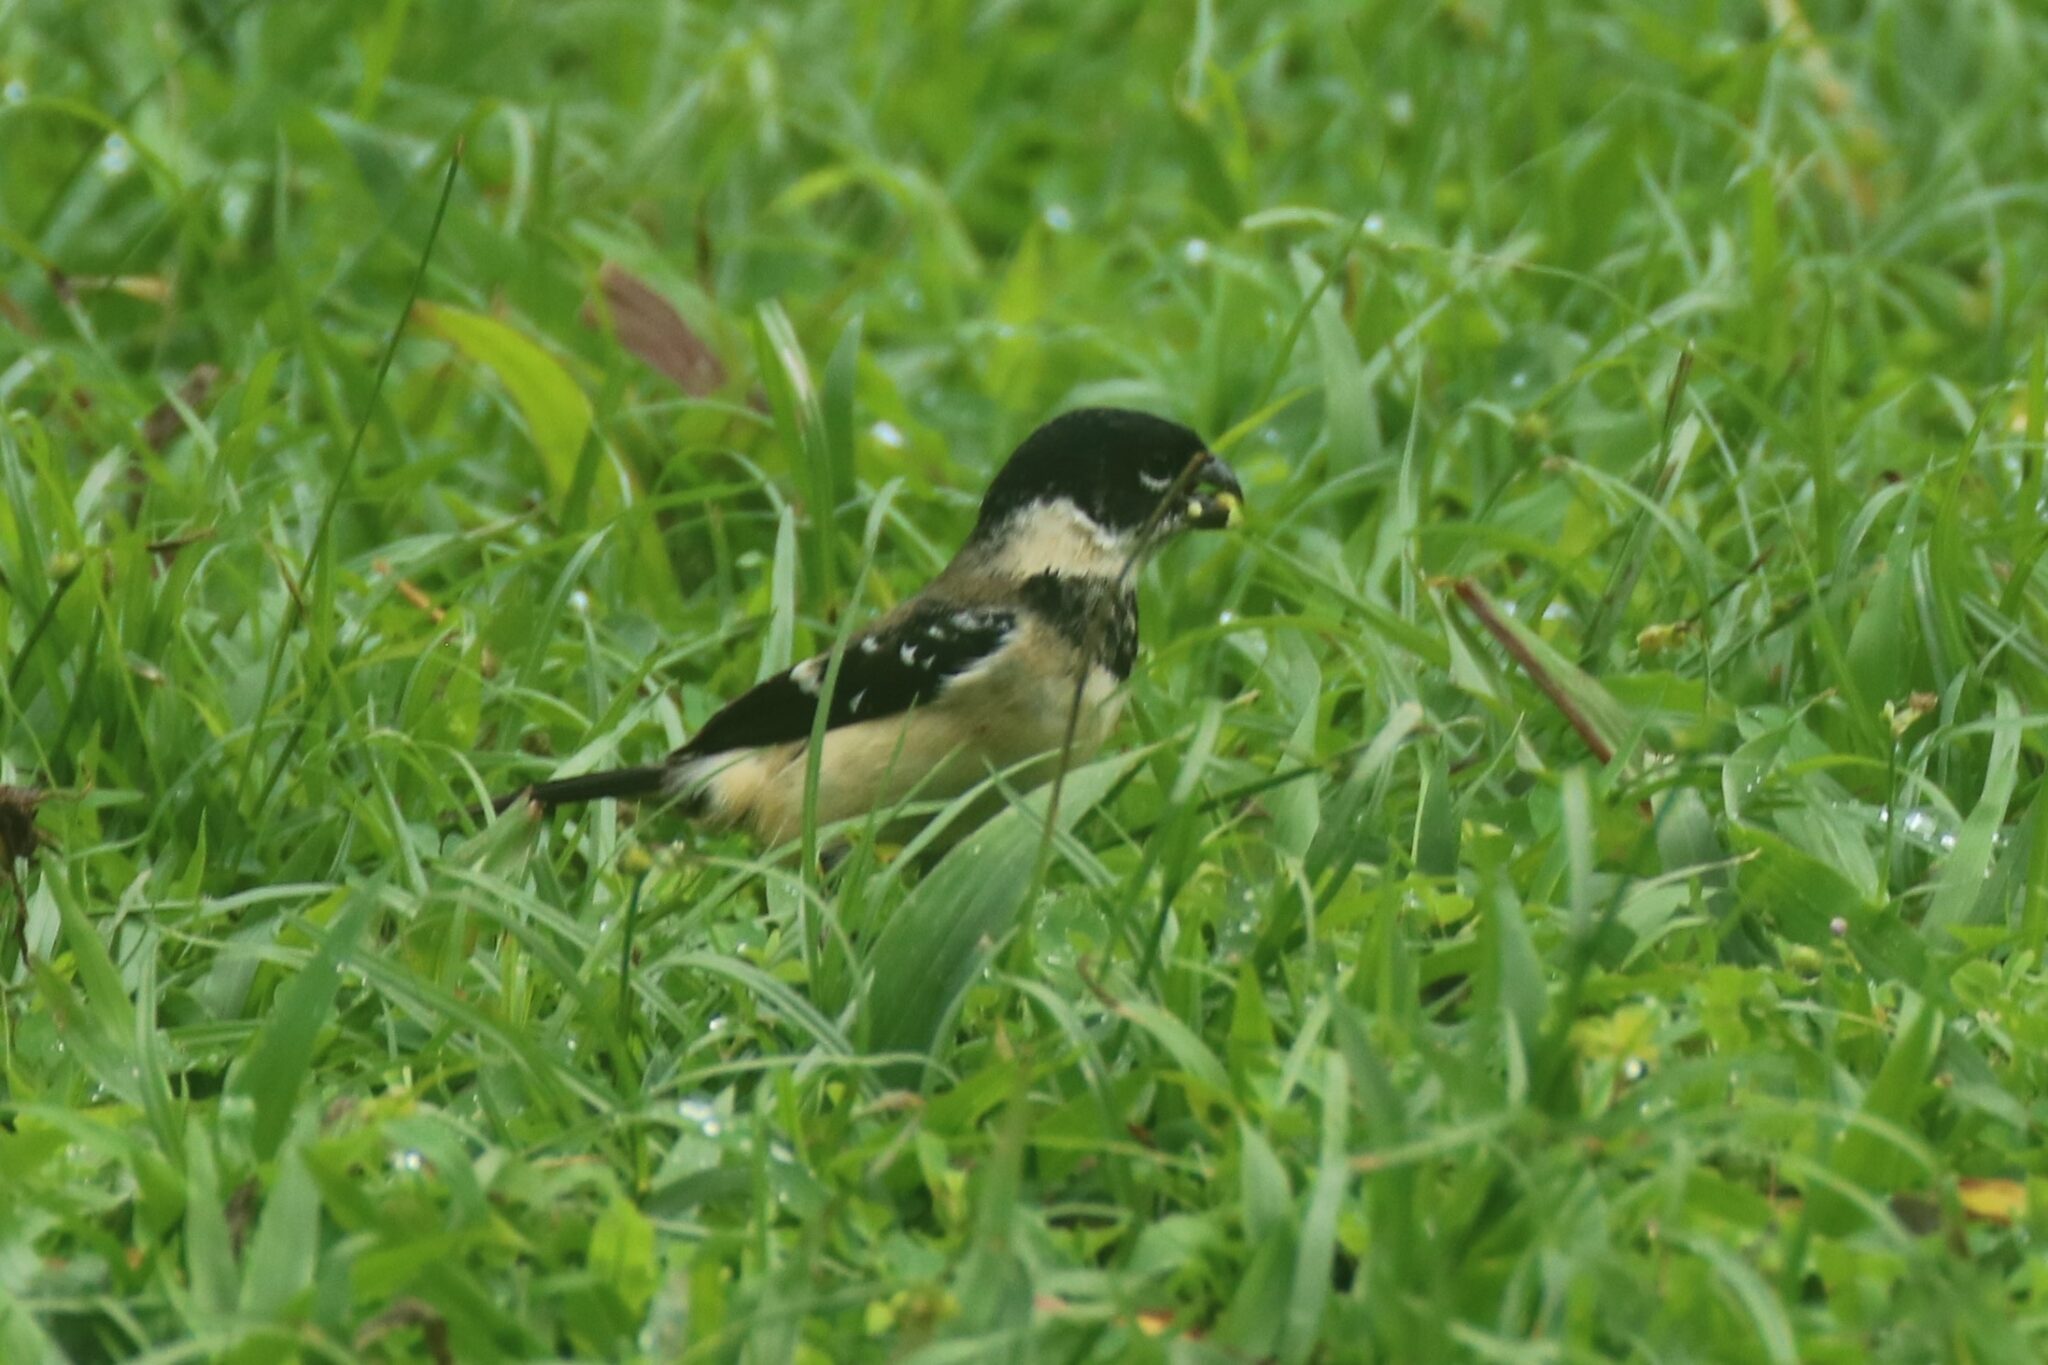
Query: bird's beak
<point x="1217" y="500"/>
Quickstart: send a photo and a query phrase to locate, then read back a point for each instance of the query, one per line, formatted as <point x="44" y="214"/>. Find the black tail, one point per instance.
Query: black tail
<point x="565" y="791"/>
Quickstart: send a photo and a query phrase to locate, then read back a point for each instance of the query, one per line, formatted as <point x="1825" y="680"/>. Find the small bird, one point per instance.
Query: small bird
<point x="978" y="672"/>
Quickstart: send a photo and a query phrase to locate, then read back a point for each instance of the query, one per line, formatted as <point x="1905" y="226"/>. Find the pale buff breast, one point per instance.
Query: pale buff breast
<point x="990" y="720"/>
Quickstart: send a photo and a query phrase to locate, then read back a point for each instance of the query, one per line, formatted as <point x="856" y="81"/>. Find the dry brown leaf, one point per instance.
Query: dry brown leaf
<point x="649" y="326"/>
<point x="19" y="837"/>
<point x="164" y="423"/>
<point x="168" y="547"/>
<point x="1991" y="1200"/>
<point x="15" y="316"/>
<point x="146" y="288"/>
<point x="1154" y="1322"/>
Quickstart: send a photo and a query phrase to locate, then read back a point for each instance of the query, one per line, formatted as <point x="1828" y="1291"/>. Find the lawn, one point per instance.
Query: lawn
<point x="1573" y="878"/>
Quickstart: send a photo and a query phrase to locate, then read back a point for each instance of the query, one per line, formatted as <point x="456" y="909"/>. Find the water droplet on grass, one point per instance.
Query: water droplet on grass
<point x="702" y="1113"/>
<point x="116" y="156"/>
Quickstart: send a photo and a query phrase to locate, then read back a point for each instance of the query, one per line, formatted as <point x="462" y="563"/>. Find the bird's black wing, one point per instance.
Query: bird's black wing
<point x="903" y="662"/>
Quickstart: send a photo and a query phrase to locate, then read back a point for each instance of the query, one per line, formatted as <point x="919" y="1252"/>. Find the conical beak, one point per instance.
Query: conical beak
<point x="1217" y="501"/>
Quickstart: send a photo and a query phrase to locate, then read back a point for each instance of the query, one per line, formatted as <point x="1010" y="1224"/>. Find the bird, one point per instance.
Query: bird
<point x="979" y="671"/>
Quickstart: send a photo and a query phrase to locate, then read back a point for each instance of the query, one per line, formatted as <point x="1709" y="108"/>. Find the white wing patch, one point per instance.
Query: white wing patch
<point x="938" y="646"/>
<point x="974" y="621"/>
<point x="934" y="647"/>
<point x="899" y="666"/>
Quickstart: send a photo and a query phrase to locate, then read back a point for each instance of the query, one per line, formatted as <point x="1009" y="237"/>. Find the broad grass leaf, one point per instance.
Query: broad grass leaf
<point x="778" y="647"/>
<point x="1257" y="1313"/>
<point x="1750" y="1296"/>
<point x="1942" y="569"/>
<point x="622" y="1255"/>
<point x="835" y="410"/>
<point x="1173" y="1242"/>
<point x="1801" y="897"/>
<point x="1250" y="1041"/>
<point x="948" y="925"/>
<point x="1688" y="842"/>
<point x="1438" y="827"/>
<point x="1316" y="1252"/>
<point x="98" y="1050"/>
<point x="1209" y="177"/>
<point x="1576" y="833"/>
<point x="1190" y="1054"/>
<point x="1296" y="807"/>
<point x="800" y="428"/>
<point x="1636" y="542"/>
<point x="380" y="159"/>
<point x="1015" y="363"/>
<point x="1865" y="1155"/>
<point x="1265" y="1197"/>
<point x="278" y="1065"/>
<point x="557" y="412"/>
<point x="209" y="1252"/>
<point x="22" y="1340"/>
<point x="284" y="1251"/>
<point x="151" y="1067"/>
<point x="1511" y="975"/>
<point x="1880" y="645"/>
<point x="1340" y="840"/>
<point x="1380" y="1097"/>
<point x="1962" y="882"/>
<point x="1348" y="415"/>
<point x="791" y="1004"/>
<point x="1797" y="895"/>
<point x="105" y="995"/>
<point x="2034" y="906"/>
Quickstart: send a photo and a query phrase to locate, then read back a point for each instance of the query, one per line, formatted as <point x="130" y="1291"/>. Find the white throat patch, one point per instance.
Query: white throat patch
<point x="1058" y="537"/>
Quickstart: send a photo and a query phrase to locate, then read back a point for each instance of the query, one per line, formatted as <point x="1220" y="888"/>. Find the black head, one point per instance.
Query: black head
<point x="1113" y="466"/>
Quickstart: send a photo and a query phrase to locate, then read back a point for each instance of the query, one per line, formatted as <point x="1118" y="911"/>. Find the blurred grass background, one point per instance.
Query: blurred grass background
<point x="1576" y="882"/>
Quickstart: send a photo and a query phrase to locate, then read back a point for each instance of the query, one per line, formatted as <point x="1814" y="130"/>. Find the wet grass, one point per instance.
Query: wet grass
<point x="1574" y="883"/>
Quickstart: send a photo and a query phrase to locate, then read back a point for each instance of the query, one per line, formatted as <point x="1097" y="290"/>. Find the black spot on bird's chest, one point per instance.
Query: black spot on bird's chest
<point x="1098" y="617"/>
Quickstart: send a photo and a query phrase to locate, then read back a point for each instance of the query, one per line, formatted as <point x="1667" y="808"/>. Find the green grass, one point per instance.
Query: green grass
<point x="1575" y="878"/>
